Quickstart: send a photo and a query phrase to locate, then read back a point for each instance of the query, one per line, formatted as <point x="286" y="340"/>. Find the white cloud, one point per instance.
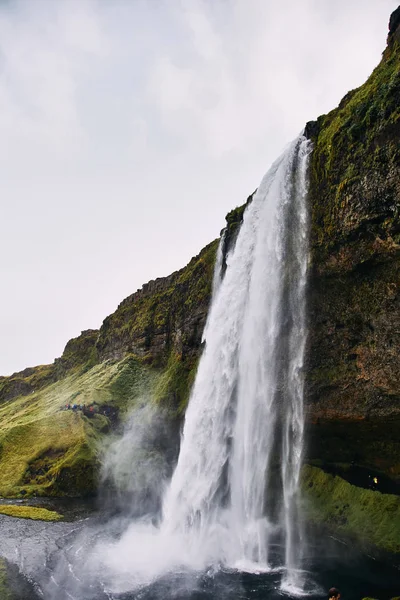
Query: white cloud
<point x="41" y="49"/>
<point x="261" y="70"/>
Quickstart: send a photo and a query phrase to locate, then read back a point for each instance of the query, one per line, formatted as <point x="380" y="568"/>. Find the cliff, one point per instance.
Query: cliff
<point x="353" y="359"/>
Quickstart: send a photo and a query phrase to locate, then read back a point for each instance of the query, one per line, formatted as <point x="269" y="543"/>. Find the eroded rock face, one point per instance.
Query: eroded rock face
<point x="353" y="359"/>
<point x="166" y="315"/>
<point x="26" y="382"/>
<point x="78" y="352"/>
<point x="394" y="22"/>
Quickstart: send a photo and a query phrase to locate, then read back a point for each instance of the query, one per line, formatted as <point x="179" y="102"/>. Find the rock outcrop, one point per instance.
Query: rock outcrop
<point x="353" y="360"/>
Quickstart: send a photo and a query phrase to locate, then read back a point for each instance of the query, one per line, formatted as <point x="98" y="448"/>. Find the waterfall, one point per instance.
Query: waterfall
<point x="233" y="497"/>
<point x="235" y="486"/>
<point x="218" y="267"/>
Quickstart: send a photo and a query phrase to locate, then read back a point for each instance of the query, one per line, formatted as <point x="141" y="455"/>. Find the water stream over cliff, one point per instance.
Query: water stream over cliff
<point x="235" y="486"/>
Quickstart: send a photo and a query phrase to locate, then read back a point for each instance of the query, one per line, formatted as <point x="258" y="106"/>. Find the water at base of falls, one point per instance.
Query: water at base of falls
<point x="55" y="558"/>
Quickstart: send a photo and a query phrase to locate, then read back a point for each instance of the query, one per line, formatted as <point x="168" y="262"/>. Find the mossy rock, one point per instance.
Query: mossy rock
<point x="29" y="512"/>
<point x="166" y="314"/>
<point x="369" y="518"/>
<point x="174" y="384"/>
<point x="48" y="450"/>
<point x="353" y="358"/>
<point x="354" y="169"/>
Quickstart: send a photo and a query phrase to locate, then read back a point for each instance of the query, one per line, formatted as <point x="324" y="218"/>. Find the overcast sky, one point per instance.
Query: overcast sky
<point x="129" y="128"/>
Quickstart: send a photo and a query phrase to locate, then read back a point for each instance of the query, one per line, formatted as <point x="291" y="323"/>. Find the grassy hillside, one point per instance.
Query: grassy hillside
<point x="367" y="517"/>
<point x="48" y="450"/>
<point x="152" y="342"/>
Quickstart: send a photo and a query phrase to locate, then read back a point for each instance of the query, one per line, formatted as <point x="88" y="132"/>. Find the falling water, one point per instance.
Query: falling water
<point x="233" y="498"/>
<point x="235" y="487"/>
<point x="217" y="279"/>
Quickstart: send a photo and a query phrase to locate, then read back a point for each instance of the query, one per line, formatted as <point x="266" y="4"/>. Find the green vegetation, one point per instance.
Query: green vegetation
<point x="29" y="512"/>
<point x="368" y="517"/>
<point x="174" y="384"/>
<point x="132" y="380"/>
<point x="235" y="217"/>
<point x="47" y="450"/>
<point x="26" y="381"/>
<point x="355" y="149"/>
<point x="146" y="323"/>
<point x="79" y="354"/>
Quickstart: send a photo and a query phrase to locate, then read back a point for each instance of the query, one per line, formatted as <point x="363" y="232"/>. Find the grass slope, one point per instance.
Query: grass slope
<point x="369" y="517"/>
<point x="47" y="450"/>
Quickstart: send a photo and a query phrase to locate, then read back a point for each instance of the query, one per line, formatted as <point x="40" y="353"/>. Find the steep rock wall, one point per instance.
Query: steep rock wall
<point x="353" y="359"/>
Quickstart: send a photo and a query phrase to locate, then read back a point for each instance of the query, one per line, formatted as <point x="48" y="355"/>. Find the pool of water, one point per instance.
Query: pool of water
<point x="48" y="562"/>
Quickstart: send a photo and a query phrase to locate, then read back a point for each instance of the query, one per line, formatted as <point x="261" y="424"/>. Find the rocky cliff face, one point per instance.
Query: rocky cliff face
<point x="353" y="361"/>
<point x="79" y="354"/>
<point x="166" y="314"/>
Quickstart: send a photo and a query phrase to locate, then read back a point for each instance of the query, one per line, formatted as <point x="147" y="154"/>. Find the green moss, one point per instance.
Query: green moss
<point x="131" y="380"/>
<point x="26" y="382"/>
<point x="371" y="518"/>
<point x="79" y="353"/>
<point x="146" y="323"/>
<point x="47" y="450"/>
<point x="174" y="385"/>
<point x="29" y="512"/>
<point x="353" y="142"/>
<point x="235" y="216"/>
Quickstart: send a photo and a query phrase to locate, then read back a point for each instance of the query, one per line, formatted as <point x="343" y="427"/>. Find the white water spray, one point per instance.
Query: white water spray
<point x="236" y="482"/>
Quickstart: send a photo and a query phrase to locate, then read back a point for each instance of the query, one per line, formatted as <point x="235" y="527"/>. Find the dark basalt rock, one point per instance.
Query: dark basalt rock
<point x="353" y="355"/>
<point x="311" y="130"/>
<point x="394" y="21"/>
